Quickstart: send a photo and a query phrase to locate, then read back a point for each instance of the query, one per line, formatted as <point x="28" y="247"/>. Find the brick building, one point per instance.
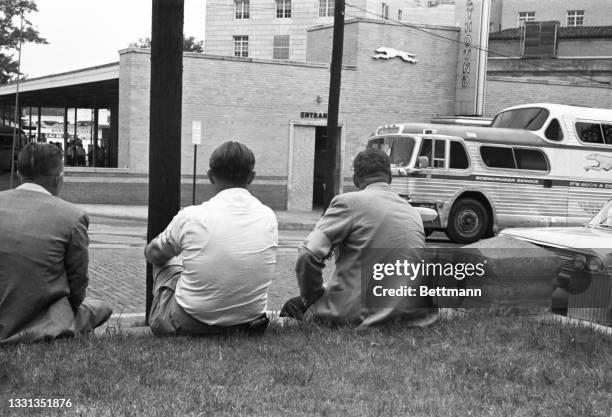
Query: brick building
<point x="511" y="13"/>
<point x="278" y="108"/>
<point x="277" y="29"/>
<point x="550" y="50"/>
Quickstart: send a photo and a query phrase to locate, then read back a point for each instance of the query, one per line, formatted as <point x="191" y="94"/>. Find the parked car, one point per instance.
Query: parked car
<point x="584" y="284"/>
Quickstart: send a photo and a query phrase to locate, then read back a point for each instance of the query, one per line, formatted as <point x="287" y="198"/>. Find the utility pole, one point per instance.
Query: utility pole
<point x="333" y="150"/>
<point x="165" y="121"/>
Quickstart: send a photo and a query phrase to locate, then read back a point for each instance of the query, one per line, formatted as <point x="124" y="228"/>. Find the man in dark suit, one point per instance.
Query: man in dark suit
<point x="371" y="226"/>
<point x="43" y="255"/>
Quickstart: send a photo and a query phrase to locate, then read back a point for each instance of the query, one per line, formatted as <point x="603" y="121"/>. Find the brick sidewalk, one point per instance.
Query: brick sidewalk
<point x="118" y="275"/>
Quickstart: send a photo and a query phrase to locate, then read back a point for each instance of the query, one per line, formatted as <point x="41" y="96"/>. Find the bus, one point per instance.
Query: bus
<point x="480" y="183"/>
<point x="555" y="123"/>
<point x="6" y="146"/>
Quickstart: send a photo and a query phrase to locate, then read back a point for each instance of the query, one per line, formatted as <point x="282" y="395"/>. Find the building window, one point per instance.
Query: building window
<point x="385" y="11"/>
<point x="525" y="17"/>
<point x="399" y="14"/>
<point x="575" y="17"/>
<point x="242" y="9"/>
<point x="281" y="47"/>
<point x="326" y="8"/>
<point x="241" y="46"/>
<point x="283" y="9"/>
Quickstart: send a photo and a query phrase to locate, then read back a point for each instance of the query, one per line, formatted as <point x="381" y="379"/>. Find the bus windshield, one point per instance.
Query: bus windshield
<point x="531" y="118"/>
<point x="399" y="148"/>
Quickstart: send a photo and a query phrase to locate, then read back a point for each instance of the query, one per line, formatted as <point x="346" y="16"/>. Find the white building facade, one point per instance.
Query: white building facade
<point x="276" y="29"/>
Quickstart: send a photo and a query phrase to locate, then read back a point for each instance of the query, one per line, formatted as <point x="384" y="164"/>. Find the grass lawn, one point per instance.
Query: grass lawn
<point x="499" y="366"/>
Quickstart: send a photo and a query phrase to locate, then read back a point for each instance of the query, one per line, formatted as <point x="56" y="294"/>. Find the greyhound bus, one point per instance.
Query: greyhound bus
<point x="480" y="183"/>
<point x="555" y="123"/>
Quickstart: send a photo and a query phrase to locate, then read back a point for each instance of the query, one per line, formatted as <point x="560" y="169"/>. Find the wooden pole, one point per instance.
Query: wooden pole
<point x="333" y="150"/>
<point x="165" y="121"/>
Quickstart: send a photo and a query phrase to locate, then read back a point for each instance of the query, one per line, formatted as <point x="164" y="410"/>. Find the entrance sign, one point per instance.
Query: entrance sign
<point x="472" y="17"/>
<point x="196" y="132"/>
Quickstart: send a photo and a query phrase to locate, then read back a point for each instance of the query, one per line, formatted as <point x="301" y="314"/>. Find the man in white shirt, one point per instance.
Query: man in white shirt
<point x="214" y="262"/>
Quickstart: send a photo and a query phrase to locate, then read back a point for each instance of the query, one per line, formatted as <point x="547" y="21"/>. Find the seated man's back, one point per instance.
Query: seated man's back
<point x="43" y="254"/>
<point x="214" y="262"/>
<point x="364" y="228"/>
<point x="228" y="245"/>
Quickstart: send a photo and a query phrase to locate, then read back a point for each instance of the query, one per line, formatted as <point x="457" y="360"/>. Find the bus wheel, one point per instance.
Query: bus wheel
<point x="468" y="221"/>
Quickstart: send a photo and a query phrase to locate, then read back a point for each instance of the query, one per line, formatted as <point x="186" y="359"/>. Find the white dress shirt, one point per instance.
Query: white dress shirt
<point x="228" y="246"/>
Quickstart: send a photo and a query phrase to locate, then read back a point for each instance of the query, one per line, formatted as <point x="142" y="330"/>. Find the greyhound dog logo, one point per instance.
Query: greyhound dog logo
<point x="388" y="53"/>
<point x="603" y="162"/>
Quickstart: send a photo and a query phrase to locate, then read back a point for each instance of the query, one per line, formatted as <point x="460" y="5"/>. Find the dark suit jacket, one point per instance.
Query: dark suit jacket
<point x="43" y="265"/>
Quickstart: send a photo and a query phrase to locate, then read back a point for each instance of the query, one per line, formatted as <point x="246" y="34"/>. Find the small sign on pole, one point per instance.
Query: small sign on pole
<point x="196" y="132"/>
<point x="196" y="139"/>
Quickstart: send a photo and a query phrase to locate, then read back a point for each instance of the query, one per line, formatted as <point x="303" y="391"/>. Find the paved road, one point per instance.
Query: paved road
<point x="117" y="266"/>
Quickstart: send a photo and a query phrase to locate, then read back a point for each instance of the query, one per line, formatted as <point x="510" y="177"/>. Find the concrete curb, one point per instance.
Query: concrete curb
<point x="551" y="317"/>
<point x="128" y="214"/>
<point x="134" y="323"/>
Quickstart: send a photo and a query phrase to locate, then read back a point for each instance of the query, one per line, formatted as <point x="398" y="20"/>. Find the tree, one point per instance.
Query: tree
<point x="190" y="44"/>
<point x="11" y="12"/>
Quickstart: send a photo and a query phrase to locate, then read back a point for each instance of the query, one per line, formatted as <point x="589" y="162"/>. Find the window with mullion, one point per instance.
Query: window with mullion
<point x="525" y="17"/>
<point x="575" y="17"/>
<point x="326" y="8"/>
<point x="283" y="9"/>
<point x="241" y="46"/>
<point x="242" y="9"/>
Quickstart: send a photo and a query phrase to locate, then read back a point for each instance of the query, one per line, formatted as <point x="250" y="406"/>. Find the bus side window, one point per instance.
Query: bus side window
<point x="439" y="157"/>
<point x="532" y="159"/>
<point x="425" y="148"/>
<point x="434" y="150"/>
<point x="497" y="157"/>
<point x="607" y="131"/>
<point x="553" y="131"/>
<point x="458" y="156"/>
<point x="589" y="132"/>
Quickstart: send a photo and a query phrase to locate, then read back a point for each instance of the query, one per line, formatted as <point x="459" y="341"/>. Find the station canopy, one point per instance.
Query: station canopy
<point x="85" y="88"/>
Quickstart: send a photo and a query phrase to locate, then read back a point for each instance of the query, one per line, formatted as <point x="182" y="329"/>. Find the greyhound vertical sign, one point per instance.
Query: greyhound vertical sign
<point x="472" y="17"/>
<point x="196" y="139"/>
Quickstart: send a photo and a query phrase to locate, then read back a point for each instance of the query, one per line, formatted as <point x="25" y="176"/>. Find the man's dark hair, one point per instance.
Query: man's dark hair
<point x="233" y="162"/>
<point x="39" y="160"/>
<point x="372" y="162"/>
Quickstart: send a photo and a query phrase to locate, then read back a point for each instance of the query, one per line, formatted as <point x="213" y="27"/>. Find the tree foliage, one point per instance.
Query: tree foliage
<point x="190" y="44"/>
<point x="11" y="12"/>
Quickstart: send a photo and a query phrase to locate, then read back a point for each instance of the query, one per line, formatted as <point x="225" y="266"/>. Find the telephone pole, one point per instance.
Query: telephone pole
<point x="165" y="121"/>
<point x="333" y="179"/>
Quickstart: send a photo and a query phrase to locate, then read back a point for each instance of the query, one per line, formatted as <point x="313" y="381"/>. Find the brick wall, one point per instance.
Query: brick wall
<point x="102" y="186"/>
<point x="566" y="47"/>
<point x="502" y="93"/>
<point x="255" y="101"/>
<point x="597" y="12"/>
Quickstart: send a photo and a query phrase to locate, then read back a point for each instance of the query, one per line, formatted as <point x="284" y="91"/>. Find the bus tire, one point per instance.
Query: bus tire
<point x="468" y="221"/>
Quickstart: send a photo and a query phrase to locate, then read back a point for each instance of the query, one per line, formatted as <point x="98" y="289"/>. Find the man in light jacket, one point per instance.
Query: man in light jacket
<point x="363" y="228"/>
